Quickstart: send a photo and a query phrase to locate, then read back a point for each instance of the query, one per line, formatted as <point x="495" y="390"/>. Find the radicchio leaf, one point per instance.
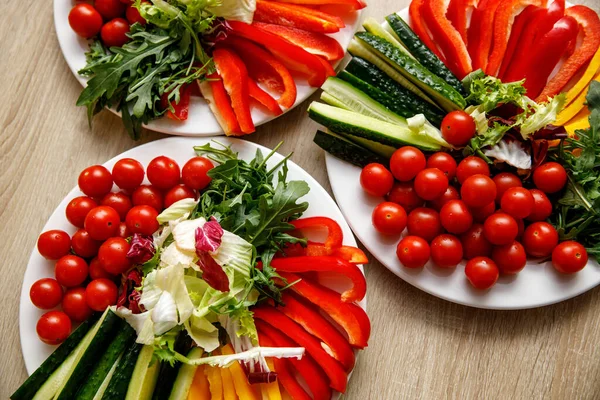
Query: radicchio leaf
<point x="208" y="239"/>
<point x="129" y="296"/>
<point x="142" y="249"/>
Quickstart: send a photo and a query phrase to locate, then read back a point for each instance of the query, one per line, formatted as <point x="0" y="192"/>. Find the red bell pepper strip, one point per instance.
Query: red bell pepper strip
<point x="352" y="4"/>
<point x="457" y="15"/>
<point x="263" y="98"/>
<point x="326" y="264"/>
<point x="216" y="96"/>
<point x="292" y="56"/>
<point x="480" y="31"/>
<point x="338" y="379"/>
<point x="447" y="38"/>
<point x="351" y="254"/>
<point x="177" y="111"/>
<point x="417" y="24"/>
<point x="352" y="318"/>
<point x="335" y="236"/>
<point x="329" y="71"/>
<point x="590" y="24"/>
<point x="296" y="16"/>
<point x="519" y="25"/>
<point x="235" y="79"/>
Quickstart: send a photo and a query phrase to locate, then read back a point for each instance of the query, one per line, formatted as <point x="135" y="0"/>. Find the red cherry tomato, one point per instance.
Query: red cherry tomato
<point x="430" y="183"/>
<point x="110" y="9"/>
<point x="194" y="173"/>
<point x="123" y="230"/>
<point x="53" y="327"/>
<point x="517" y="202"/>
<point x="458" y="128"/>
<point x="163" y="172"/>
<point x="113" y="255"/>
<point x="96" y="270"/>
<point x="376" y="179"/>
<point x="148" y="195"/>
<point x="542" y="207"/>
<point x="128" y="173"/>
<point x="78" y="209"/>
<point x="446" y="251"/>
<point x="85" y="20"/>
<point x="550" y="177"/>
<point x="510" y="258"/>
<point x="95" y="181"/>
<point x="46" y="293"/>
<point x="480" y="214"/>
<point x="413" y="252"/>
<point x="404" y="193"/>
<point x="101" y="293"/>
<point x="133" y="15"/>
<point x="389" y="218"/>
<point x="83" y="244"/>
<point x="119" y="201"/>
<point x="521" y="228"/>
<point x="500" y="229"/>
<point x="444" y="162"/>
<point x="54" y="244"/>
<point x="71" y="271"/>
<point x="471" y="166"/>
<point x="102" y="222"/>
<point x="75" y="306"/>
<point x="407" y="162"/>
<point x="474" y="243"/>
<point x="142" y="219"/>
<point x="177" y="193"/>
<point x="450" y="194"/>
<point x="478" y="190"/>
<point x="482" y="272"/>
<point x="569" y="257"/>
<point x="114" y="32"/>
<point x="540" y="239"/>
<point x="456" y="217"/>
<point x="505" y="181"/>
<point x="424" y="223"/>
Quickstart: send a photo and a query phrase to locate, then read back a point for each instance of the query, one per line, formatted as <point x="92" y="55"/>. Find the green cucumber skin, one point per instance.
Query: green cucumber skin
<point x="118" y="385"/>
<point x="405" y="103"/>
<point x="124" y="338"/>
<point x="413" y="68"/>
<point x="347" y="150"/>
<point x="168" y="373"/>
<point x="422" y="53"/>
<point x="30" y="387"/>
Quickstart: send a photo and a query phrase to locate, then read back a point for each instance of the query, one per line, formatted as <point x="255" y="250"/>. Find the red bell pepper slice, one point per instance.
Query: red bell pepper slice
<point x="447" y="38"/>
<point x="521" y="21"/>
<point x="457" y="15"/>
<point x="480" y="31"/>
<point x="263" y="98"/>
<point x="335" y="236"/>
<point x="590" y="24"/>
<point x="417" y="24"/>
<point x="351" y="4"/>
<point x="292" y="56"/>
<point x="216" y="96"/>
<point x="352" y="318"/>
<point x="326" y="264"/>
<point x="351" y="254"/>
<point x="235" y="79"/>
<point x="177" y="111"/>
<point x="296" y="16"/>
<point x="329" y="71"/>
<point x="338" y="379"/>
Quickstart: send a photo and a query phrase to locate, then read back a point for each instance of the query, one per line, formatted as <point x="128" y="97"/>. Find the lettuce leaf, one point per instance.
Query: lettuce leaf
<point x="235" y="10"/>
<point x="177" y="210"/>
<point x="248" y="356"/>
<point x="540" y="115"/>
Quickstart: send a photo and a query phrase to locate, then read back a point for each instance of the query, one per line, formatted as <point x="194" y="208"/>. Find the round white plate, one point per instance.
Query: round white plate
<point x="180" y="149"/>
<point x="201" y="121"/>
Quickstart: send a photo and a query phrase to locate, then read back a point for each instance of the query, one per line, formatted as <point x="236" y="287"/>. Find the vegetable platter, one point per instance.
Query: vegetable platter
<point x="464" y="157"/>
<point x="171" y="303"/>
<point x="277" y="62"/>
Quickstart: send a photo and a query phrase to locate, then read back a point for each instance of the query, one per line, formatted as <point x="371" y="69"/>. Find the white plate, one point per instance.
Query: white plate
<point x="180" y="149"/>
<point x="537" y="285"/>
<point x="201" y="121"/>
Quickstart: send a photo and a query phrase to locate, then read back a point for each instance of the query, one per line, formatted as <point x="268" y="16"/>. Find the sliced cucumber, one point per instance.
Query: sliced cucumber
<point x="333" y="101"/>
<point x="144" y="377"/>
<point x="185" y="376"/>
<point x="117" y="387"/>
<point x="102" y="389"/>
<point x="383" y="150"/>
<point x="345" y="149"/>
<point x="168" y="372"/>
<point x="372" y="26"/>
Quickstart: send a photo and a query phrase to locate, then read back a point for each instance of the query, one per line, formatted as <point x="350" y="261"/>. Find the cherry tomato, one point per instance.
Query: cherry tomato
<point x="46" y="293"/>
<point x="478" y="190"/>
<point x="474" y="243"/>
<point x="424" y="223"/>
<point x="114" y="32"/>
<point x="179" y="192"/>
<point x="128" y="173"/>
<point x="133" y="15"/>
<point x="110" y="9"/>
<point x="85" y="20"/>
<point x="505" y="181"/>
<point x="430" y="183"/>
<point x="119" y="201"/>
<point x="407" y="162"/>
<point x="456" y="217"/>
<point x="78" y="209"/>
<point x="446" y="251"/>
<point x="54" y="244"/>
<point x="53" y="327"/>
<point x="521" y="225"/>
<point x="542" y="207"/>
<point x="550" y="177"/>
<point x="444" y="162"/>
<point x="142" y="219"/>
<point x="482" y="272"/>
<point x="113" y="255"/>
<point x="517" y="202"/>
<point x="404" y="193"/>
<point x="75" y="306"/>
<point x="95" y="181"/>
<point x="480" y="214"/>
<point x="194" y="173"/>
<point x="458" y="128"/>
<point x="101" y="293"/>
<point x="102" y="222"/>
<point x="96" y="270"/>
<point x="83" y="244"/>
<point x="539" y="239"/>
<point x="389" y="218"/>
<point x="71" y="271"/>
<point x="163" y="172"/>
<point x="471" y="166"/>
<point x="500" y="228"/>
<point x="376" y="179"/>
<point x="123" y="230"/>
<point x="450" y="194"/>
<point x="510" y="258"/>
<point x="148" y="195"/>
<point x="413" y="252"/>
<point x="569" y="257"/>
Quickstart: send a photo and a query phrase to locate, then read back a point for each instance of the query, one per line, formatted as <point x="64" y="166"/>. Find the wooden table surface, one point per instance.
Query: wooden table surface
<point x="421" y="347"/>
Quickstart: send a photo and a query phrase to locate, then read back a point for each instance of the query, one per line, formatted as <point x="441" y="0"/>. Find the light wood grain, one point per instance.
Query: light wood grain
<point x="421" y="347"/>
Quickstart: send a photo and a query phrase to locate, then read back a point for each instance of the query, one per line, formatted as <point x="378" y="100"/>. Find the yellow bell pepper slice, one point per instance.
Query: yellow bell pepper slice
<point x="228" y="388"/>
<point x="240" y="382"/>
<point x="586" y="78"/>
<point x="199" y="389"/>
<point x="215" y="382"/>
<point x="575" y="107"/>
<point x="270" y="391"/>
<point x="580" y="121"/>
